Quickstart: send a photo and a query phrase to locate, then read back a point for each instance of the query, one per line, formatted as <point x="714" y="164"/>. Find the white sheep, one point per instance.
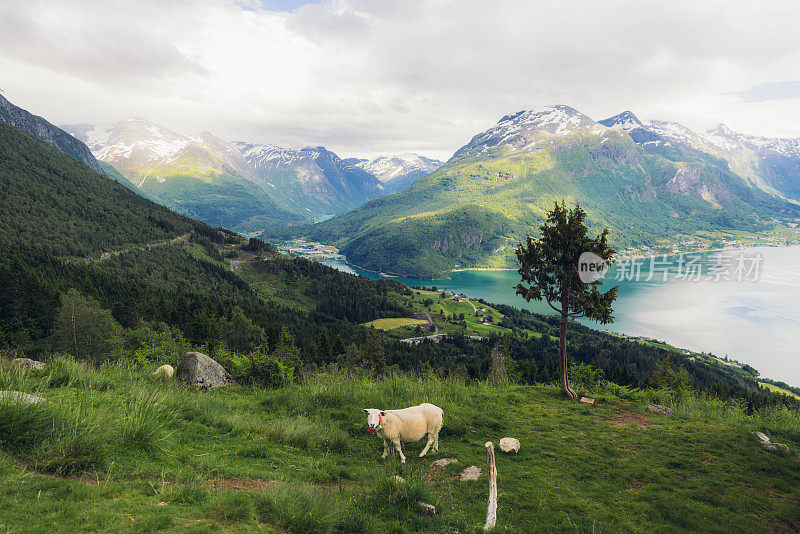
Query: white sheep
<point x="406" y="425"/>
<point x="167" y="370"/>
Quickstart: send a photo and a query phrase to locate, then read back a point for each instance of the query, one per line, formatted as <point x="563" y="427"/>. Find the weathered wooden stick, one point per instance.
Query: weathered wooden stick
<point x="491" y="511"/>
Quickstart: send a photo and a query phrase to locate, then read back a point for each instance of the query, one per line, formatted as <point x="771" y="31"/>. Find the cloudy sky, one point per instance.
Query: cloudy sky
<point x="366" y="77"/>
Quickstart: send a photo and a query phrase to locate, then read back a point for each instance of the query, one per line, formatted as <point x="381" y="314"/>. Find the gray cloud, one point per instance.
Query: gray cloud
<point x="771" y="91"/>
<point x="367" y="77"/>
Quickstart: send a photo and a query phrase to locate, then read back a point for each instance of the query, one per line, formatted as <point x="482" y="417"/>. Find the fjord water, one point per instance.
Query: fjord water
<point x="725" y="312"/>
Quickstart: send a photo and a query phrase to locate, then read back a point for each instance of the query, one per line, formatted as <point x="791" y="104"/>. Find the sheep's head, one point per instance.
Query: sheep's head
<point x="374" y="419"/>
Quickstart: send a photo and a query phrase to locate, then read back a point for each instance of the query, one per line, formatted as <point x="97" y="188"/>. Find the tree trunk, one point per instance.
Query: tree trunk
<point x="563" y="378"/>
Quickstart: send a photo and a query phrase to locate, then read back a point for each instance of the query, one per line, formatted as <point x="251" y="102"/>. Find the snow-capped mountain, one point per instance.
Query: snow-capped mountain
<point x="172" y="167"/>
<point x="399" y="171"/>
<point x="652" y="184"/>
<point x="313" y="181"/>
<point x="531" y="130"/>
<point x="770" y="164"/>
<point x="196" y="175"/>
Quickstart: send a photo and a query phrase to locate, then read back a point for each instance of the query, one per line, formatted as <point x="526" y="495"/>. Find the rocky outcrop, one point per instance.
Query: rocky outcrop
<point x="198" y="371"/>
<point x="53" y="136"/>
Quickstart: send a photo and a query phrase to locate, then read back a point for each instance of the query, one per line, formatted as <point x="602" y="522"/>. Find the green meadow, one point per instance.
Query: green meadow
<point x="118" y="449"/>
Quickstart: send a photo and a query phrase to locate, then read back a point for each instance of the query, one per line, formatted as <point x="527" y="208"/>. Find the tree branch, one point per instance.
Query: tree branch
<point x="556" y="309"/>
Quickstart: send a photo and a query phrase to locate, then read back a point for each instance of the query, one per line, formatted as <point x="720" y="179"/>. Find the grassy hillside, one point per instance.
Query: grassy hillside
<point x="119" y="450"/>
<point x="219" y="199"/>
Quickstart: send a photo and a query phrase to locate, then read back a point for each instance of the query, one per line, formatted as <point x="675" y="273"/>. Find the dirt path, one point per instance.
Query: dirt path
<point x="433" y="324"/>
<point x="106" y="255"/>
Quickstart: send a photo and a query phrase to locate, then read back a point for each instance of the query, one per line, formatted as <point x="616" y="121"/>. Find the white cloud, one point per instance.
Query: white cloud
<point x="367" y="77"/>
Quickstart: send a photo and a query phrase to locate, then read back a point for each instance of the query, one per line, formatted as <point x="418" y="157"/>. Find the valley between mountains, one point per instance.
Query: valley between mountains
<point x="658" y="186"/>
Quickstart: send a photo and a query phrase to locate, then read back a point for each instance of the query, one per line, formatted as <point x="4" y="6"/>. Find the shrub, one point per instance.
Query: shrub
<point x="148" y="344"/>
<point x="585" y="376"/>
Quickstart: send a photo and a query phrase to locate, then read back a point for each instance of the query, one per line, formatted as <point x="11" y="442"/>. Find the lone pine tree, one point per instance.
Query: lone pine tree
<point x="549" y="271"/>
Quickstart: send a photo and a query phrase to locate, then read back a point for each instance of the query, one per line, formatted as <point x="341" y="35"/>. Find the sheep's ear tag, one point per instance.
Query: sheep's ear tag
<point x="365" y="411"/>
<point x="383" y="413"/>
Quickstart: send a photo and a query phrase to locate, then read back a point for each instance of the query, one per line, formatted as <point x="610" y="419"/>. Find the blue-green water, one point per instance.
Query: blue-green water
<point x="741" y="306"/>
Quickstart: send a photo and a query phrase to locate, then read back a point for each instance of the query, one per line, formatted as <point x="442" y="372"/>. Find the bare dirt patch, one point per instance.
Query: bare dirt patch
<point x="637" y="485"/>
<point x="630" y="419"/>
<point x="243" y="484"/>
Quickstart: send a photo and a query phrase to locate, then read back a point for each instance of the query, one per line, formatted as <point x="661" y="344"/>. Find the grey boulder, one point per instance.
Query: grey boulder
<point x="509" y="445"/>
<point x="769" y="445"/>
<point x="198" y="371"/>
<point x="23" y="398"/>
<point x="27" y="363"/>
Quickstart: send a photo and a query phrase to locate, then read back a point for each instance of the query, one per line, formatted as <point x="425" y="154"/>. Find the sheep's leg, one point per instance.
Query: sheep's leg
<point x="436" y="442"/>
<point x="399" y="451"/>
<point x="428" y="446"/>
<point x="385" y="449"/>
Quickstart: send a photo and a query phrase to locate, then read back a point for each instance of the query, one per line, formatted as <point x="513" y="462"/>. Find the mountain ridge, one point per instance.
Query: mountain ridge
<point x="47" y="132"/>
<point x="650" y="182"/>
<point x="305" y="183"/>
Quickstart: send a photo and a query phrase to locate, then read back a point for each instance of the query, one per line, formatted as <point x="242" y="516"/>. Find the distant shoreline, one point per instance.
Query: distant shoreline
<point x="622" y="259"/>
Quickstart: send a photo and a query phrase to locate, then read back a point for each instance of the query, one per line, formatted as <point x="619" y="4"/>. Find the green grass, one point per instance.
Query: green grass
<point x="118" y="450"/>
<point x="391" y="324"/>
<point x="446" y="308"/>
<point x="778" y="389"/>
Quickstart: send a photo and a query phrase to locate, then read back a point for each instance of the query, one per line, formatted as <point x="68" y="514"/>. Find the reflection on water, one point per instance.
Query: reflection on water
<point x="755" y="322"/>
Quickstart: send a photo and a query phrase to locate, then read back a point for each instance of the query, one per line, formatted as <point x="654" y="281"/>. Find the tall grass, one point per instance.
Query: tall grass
<point x="306" y="510"/>
<point x="307" y="433"/>
<point x="143" y="423"/>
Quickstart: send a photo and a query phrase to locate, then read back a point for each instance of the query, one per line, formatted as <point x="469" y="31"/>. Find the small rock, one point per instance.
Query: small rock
<point x="765" y="442"/>
<point x="443" y="462"/>
<point x="587" y="400"/>
<point x="471" y="472"/>
<point x="398" y="479"/>
<point x="198" y="371"/>
<point x="429" y="509"/>
<point x="27" y="363"/>
<point x="509" y="445"/>
<point x="24" y="398"/>
<point x="162" y="503"/>
<point x="657" y="408"/>
<point x="165" y="370"/>
<point x="762" y="438"/>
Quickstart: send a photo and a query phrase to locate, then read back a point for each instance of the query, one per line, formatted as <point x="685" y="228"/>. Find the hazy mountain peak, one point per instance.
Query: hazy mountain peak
<point x="400" y="170"/>
<point x="723" y="130"/>
<point x="625" y="121"/>
<point x="141" y="141"/>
